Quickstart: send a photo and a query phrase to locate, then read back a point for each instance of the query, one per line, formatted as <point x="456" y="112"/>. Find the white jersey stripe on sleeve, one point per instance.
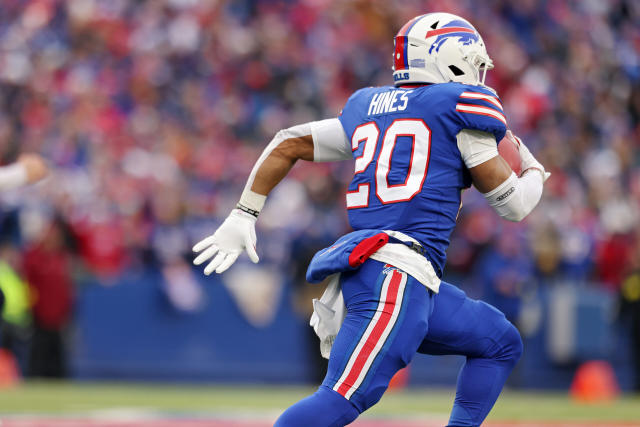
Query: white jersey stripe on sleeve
<point x="483" y="111"/>
<point x="475" y="95"/>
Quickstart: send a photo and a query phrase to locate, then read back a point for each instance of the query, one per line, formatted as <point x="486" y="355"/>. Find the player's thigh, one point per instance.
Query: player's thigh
<point x="387" y="319"/>
<point x="461" y="325"/>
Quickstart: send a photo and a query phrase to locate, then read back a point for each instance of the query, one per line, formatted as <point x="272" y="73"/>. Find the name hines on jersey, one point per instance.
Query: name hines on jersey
<point x="389" y="102"/>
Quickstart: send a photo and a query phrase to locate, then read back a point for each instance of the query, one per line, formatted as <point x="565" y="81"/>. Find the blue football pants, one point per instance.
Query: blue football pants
<point x="390" y="317"/>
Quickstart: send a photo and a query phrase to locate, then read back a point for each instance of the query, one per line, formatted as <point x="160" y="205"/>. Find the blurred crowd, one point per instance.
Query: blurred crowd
<point x="151" y="114"/>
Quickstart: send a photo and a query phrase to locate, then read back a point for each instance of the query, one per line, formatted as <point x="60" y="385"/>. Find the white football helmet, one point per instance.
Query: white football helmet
<point x="440" y="48"/>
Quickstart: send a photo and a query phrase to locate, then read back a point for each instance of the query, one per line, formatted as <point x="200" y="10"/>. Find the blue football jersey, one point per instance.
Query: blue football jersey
<point x="409" y="173"/>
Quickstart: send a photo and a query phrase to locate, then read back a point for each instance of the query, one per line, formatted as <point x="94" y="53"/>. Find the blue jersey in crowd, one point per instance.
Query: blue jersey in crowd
<point x="409" y="173"/>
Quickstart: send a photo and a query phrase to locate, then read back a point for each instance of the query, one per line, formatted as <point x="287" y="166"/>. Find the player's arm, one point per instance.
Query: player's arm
<point x="512" y="197"/>
<point x="29" y="168"/>
<point x="320" y="141"/>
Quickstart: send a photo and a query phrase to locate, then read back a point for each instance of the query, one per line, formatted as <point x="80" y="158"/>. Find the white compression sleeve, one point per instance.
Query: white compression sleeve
<point x="330" y="143"/>
<point x="12" y="176"/>
<point x="515" y="198"/>
<point x="476" y="147"/>
<point x="251" y="199"/>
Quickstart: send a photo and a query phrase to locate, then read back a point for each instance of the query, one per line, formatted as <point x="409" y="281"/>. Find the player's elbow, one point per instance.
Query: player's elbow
<point x="516" y="209"/>
<point x="515" y="216"/>
<point x="282" y="135"/>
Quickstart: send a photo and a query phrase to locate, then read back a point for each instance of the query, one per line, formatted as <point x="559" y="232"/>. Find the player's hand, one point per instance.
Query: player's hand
<point x="236" y="234"/>
<point x="34" y="165"/>
<point x="527" y="161"/>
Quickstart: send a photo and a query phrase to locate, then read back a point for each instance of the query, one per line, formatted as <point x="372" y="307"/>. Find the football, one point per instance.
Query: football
<point x="508" y="150"/>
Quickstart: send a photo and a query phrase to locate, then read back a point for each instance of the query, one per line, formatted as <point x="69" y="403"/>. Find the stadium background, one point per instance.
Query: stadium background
<point x="151" y="114"/>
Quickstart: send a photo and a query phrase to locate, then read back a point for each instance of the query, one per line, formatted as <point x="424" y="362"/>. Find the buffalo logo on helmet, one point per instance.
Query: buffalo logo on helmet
<point x="457" y="28"/>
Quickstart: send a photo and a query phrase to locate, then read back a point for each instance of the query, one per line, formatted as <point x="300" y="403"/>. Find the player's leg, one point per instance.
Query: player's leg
<point x="387" y="318"/>
<point x="324" y="408"/>
<point x="492" y="345"/>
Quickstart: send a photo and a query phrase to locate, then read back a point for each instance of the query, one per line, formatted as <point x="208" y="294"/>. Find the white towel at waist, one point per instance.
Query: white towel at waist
<point x="328" y="314"/>
<point x="408" y="260"/>
<point x="329" y="311"/>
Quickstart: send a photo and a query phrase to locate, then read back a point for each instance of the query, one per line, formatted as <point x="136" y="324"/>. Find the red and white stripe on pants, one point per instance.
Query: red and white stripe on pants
<point x="376" y="334"/>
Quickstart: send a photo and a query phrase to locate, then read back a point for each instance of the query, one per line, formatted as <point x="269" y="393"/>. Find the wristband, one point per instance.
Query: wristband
<point x="245" y="209"/>
<point x="251" y="202"/>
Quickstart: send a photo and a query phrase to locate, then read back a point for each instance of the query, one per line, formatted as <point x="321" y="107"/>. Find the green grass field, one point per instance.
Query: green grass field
<point x="66" y="398"/>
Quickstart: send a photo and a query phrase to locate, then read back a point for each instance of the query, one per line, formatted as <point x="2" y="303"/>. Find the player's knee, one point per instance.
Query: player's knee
<point x="323" y="408"/>
<point x="511" y="345"/>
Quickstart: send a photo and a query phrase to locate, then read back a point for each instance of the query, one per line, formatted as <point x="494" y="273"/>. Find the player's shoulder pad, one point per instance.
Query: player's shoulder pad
<point x="479" y="108"/>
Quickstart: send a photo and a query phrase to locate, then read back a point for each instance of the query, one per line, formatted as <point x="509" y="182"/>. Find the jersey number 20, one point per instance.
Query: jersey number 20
<point x="368" y="135"/>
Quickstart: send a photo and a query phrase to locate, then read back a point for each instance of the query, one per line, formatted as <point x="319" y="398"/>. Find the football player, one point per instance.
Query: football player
<point x="416" y="145"/>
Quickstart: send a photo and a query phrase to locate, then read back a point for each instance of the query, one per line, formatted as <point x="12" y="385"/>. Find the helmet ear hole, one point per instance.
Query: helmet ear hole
<point x="456" y="71"/>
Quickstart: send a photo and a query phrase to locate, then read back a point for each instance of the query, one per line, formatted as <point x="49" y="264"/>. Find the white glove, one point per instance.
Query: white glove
<point x="237" y="233"/>
<point x="527" y="161"/>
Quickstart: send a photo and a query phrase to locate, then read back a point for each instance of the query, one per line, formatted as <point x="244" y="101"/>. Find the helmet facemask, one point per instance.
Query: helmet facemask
<point x="463" y="64"/>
